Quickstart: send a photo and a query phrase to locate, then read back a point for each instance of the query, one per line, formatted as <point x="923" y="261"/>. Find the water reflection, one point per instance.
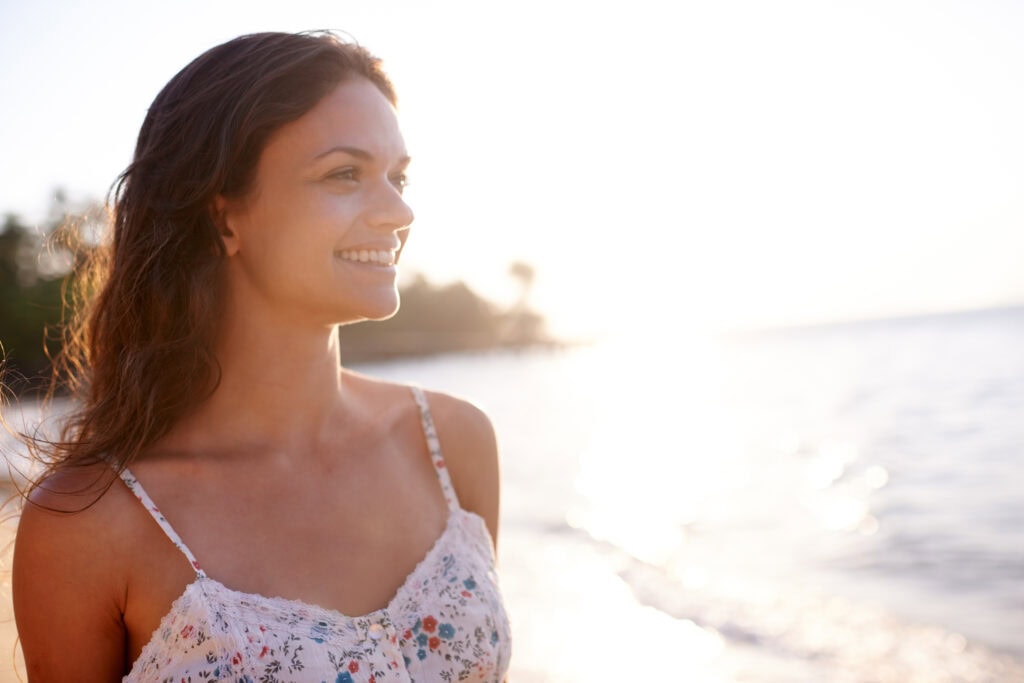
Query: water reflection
<point x="759" y="491"/>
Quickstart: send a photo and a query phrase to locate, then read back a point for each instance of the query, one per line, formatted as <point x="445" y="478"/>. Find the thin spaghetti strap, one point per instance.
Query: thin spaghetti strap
<point x="133" y="484"/>
<point x="434" y="445"/>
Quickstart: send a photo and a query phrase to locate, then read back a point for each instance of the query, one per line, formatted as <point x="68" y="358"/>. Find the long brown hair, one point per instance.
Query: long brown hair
<point x="138" y="354"/>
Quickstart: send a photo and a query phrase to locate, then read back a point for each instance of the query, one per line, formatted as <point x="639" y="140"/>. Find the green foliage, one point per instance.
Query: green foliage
<point x="30" y="299"/>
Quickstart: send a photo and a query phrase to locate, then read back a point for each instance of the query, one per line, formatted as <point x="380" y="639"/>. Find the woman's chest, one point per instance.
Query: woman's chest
<point x="350" y="556"/>
<point x="447" y="619"/>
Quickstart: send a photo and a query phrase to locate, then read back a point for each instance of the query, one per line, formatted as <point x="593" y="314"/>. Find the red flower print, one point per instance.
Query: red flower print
<point x="187" y="631"/>
<point x="439" y="463"/>
<point x="353" y="666"/>
<point x="407" y="635"/>
<point x="467" y="594"/>
<point x="237" y="659"/>
<point x="434" y="643"/>
<point x="429" y="624"/>
<point x="372" y="679"/>
<point x="264" y="651"/>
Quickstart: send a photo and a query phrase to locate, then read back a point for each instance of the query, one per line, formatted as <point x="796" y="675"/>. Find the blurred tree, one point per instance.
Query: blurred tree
<point x="30" y="300"/>
<point x="525" y="274"/>
<point x="34" y="265"/>
<point x="431" y="320"/>
<point x="438" y="319"/>
<point x="522" y="326"/>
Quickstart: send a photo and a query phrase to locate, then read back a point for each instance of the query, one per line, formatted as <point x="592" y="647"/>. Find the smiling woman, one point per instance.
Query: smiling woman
<point x="262" y="210"/>
<point x="329" y="194"/>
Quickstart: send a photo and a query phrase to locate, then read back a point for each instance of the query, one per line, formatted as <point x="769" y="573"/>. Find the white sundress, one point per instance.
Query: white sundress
<point x="446" y="623"/>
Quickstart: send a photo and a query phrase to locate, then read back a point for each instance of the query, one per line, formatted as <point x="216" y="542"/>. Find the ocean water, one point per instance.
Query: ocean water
<point x="838" y="503"/>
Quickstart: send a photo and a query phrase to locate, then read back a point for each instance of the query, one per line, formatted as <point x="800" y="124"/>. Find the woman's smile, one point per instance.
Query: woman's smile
<point x="372" y="257"/>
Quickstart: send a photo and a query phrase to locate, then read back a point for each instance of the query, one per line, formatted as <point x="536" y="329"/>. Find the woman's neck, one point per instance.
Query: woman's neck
<point x="280" y="388"/>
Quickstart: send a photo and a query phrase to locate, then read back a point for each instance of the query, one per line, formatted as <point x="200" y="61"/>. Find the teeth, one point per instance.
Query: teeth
<point x="384" y="258"/>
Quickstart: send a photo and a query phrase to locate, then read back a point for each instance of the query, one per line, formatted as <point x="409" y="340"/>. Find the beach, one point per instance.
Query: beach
<point x="11" y="661"/>
<point x="826" y="504"/>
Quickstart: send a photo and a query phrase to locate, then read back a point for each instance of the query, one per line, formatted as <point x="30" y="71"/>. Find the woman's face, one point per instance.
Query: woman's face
<point x="316" y="239"/>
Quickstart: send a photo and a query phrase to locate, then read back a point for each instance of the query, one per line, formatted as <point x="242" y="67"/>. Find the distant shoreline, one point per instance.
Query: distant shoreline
<point x="854" y="323"/>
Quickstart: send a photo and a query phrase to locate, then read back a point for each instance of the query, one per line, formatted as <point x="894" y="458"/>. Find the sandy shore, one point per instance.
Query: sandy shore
<point x="12" y="666"/>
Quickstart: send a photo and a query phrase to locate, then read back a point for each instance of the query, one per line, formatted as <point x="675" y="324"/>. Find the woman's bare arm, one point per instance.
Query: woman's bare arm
<point x="68" y="589"/>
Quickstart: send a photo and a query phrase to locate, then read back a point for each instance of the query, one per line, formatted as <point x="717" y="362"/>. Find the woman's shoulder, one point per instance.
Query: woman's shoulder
<point x="74" y="511"/>
<point x="66" y="548"/>
<point x="80" y="522"/>
<point x="69" y="575"/>
<point x="444" y="407"/>
<point x="78" y="493"/>
<point x="464" y="429"/>
<point x="468" y="444"/>
<point x="462" y="426"/>
<point x="470" y="449"/>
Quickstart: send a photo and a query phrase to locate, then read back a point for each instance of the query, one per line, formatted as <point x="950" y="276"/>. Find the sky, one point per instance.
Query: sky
<point x="704" y="165"/>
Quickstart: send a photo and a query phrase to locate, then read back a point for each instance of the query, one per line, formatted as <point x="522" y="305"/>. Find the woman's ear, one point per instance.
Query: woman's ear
<point x="222" y="214"/>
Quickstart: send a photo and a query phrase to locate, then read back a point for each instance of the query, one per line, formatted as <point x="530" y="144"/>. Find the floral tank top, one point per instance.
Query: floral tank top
<point x="446" y="622"/>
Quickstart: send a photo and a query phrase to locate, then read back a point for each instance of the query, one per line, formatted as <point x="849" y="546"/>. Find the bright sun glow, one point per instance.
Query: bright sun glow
<point x="727" y="163"/>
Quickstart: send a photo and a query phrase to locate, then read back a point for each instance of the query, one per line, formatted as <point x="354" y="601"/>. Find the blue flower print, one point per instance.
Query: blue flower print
<point x="446" y="631"/>
<point x="469" y="583"/>
<point x="422" y="639"/>
<point x="320" y="631"/>
<point x="421" y="654"/>
<point x="343" y="677"/>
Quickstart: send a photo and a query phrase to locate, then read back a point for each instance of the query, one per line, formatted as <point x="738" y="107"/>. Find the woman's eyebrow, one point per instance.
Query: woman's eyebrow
<point x="357" y="152"/>
<point x="352" y="151"/>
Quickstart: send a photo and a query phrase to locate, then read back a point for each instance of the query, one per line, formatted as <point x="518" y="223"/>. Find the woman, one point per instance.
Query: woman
<point x="263" y="209"/>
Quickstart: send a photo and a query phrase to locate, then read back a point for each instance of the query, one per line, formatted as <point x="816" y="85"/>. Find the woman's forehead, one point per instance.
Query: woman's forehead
<point x="355" y="115"/>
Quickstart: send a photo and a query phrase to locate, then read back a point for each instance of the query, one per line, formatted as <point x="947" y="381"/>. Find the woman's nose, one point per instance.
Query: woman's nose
<point x="390" y="211"/>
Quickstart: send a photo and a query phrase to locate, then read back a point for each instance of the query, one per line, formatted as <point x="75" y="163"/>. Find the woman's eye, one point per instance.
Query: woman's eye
<point x="343" y="174"/>
<point x="401" y="181"/>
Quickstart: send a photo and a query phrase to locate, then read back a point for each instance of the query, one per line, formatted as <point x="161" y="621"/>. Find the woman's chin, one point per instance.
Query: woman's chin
<point x="383" y="309"/>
